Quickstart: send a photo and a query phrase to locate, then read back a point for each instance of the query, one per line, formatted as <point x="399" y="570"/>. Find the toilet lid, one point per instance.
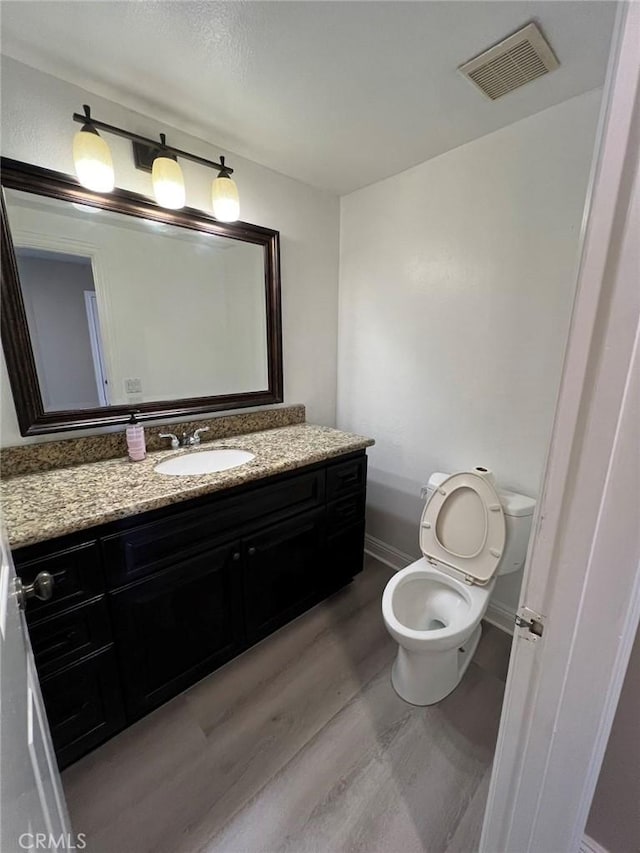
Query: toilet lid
<point x="463" y="529"/>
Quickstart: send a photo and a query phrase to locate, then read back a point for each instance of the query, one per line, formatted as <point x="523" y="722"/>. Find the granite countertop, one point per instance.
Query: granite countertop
<point x="41" y="506"/>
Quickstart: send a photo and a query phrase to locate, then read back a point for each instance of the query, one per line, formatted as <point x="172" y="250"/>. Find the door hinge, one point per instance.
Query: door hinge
<point x="530" y="623"/>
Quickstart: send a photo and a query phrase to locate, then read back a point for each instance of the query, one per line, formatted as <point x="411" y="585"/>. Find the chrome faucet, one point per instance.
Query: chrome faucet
<point x="192" y="440"/>
<point x="186" y="440"/>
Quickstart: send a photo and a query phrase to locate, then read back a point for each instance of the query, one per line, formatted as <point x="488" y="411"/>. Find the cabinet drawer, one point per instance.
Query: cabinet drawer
<point x="83" y="705"/>
<point x="64" y="639"/>
<point x="345" y="512"/>
<point x="77" y="577"/>
<point x="153" y="547"/>
<point x="346" y="478"/>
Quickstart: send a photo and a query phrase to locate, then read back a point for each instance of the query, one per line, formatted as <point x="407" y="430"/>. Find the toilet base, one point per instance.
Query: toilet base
<point x="424" y="678"/>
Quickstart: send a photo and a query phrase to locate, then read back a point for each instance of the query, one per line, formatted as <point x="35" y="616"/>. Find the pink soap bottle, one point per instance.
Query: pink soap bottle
<point x="135" y="440"/>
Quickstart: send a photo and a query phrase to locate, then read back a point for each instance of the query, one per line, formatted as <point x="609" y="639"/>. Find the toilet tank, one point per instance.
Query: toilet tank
<point x="518" y="515"/>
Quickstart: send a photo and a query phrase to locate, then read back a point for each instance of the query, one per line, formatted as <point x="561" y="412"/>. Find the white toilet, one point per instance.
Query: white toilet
<point x="469" y="534"/>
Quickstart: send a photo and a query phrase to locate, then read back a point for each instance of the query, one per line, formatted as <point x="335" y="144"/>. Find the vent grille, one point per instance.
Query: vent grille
<point x="517" y="60"/>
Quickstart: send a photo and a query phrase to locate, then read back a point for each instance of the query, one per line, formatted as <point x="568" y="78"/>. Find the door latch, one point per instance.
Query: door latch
<point x="531" y="624"/>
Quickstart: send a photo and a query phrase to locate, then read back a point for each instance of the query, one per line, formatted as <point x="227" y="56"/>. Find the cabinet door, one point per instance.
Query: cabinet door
<point x="83" y="705"/>
<point x="282" y="572"/>
<point x="177" y="626"/>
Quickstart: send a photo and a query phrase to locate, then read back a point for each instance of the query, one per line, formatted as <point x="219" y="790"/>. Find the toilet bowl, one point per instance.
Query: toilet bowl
<point x="435" y="619"/>
<point x="433" y="608"/>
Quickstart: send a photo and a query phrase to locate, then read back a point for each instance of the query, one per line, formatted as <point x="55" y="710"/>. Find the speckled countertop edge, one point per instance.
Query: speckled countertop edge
<point x="46" y="505"/>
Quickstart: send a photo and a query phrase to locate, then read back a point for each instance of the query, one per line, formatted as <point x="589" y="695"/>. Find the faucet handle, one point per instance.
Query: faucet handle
<point x="175" y="444"/>
<point x="196" y="434"/>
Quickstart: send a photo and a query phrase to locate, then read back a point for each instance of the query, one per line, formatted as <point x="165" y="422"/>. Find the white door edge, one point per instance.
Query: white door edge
<point x="584" y="557"/>
<point x="93" y="322"/>
<point x="33" y="811"/>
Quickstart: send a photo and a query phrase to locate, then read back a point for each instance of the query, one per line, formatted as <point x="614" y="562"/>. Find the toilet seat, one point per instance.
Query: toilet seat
<point x="462" y="529"/>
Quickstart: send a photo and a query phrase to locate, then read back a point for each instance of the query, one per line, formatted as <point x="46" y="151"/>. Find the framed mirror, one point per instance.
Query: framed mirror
<point x="112" y="304"/>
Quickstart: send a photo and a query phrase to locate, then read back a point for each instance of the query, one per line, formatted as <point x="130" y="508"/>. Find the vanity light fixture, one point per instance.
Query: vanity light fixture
<point x="92" y="157"/>
<point x="224" y="196"/>
<point x="94" y="167"/>
<point x="168" y="183"/>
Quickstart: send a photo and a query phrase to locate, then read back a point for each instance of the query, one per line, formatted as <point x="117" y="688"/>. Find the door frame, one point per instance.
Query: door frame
<point x="93" y="322"/>
<point x="583" y="567"/>
<point x="107" y="335"/>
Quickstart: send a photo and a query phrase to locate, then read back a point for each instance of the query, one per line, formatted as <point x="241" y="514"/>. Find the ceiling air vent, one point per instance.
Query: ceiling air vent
<point x="517" y="60"/>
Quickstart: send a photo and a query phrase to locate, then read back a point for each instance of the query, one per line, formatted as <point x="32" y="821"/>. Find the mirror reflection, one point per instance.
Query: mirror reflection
<point x="123" y="310"/>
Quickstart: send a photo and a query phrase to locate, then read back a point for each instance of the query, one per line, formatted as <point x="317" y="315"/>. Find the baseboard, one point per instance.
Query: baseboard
<point x="396" y="559"/>
<point x="590" y="846"/>
<point x="500" y="616"/>
<point x="387" y="554"/>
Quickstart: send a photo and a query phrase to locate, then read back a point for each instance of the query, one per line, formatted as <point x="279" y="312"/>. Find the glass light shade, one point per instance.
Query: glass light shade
<point x="168" y="183"/>
<point x="224" y="196"/>
<point x="92" y="161"/>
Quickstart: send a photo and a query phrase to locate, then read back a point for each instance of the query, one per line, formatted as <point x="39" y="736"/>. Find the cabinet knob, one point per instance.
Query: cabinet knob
<point x="42" y="588"/>
<point x="251" y="551"/>
<point x="236" y="556"/>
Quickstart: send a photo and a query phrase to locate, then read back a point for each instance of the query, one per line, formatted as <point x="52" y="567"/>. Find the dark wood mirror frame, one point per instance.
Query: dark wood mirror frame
<point x="23" y="377"/>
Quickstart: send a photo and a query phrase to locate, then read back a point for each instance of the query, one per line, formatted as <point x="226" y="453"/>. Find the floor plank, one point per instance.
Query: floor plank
<point x="301" y="744"/>
<point x="467" y="832"/>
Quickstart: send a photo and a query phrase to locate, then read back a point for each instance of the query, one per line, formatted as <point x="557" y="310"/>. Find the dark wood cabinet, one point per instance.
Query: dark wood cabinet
<point x="281" y="572"/>
<point x="83" y="705"/>
<point x="177" y="626"/>
<point x="149" y="547"/>
<point x="72" y="646"/>
<point x="144" y="607"/>
<point x="344" y="556"/>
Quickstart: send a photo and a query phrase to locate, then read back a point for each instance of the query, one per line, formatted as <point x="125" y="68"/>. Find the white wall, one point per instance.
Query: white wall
<point x="37" y="128"/>
<point x="456" y="285"/>
<point x="243" y="274"/>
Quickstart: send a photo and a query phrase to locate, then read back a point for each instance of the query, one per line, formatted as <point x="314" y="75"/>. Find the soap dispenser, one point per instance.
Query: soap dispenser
<point x="135" y="439"/>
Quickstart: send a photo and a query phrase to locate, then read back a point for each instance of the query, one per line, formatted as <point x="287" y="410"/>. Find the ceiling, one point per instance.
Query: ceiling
<point x="336" y="94"/>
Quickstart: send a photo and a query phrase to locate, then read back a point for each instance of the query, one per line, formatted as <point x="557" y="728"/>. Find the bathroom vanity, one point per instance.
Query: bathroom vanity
<point x="146" y="604"/>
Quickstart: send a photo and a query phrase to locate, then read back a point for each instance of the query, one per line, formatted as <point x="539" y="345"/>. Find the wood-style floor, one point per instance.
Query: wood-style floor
<point x="301" y="745"/>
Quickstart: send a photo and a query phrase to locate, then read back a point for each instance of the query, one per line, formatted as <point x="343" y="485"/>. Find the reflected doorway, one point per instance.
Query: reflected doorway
<point x="60" y="303"/>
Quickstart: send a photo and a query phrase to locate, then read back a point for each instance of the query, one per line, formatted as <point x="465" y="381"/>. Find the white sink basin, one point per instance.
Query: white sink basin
<point x="204" y="462"/>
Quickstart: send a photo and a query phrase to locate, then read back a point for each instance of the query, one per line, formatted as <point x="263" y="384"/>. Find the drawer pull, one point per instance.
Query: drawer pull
<point x="348" y="476"/>
<point x="72" y="716"/>
<point x="236" y="556"/>
<point x="42" y="588"/>
<point x="251" y="551"/>
<point x="348" y="511"/>
<point x="54" y="645"/>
